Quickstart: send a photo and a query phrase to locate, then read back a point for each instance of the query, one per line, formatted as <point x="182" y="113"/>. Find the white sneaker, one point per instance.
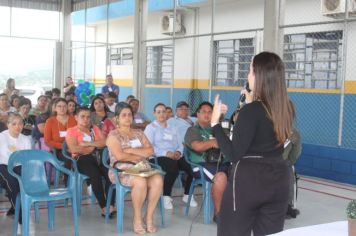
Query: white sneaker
<point x="193" y="203"/>
<point x="19" y="228"/>
<point x="89" y="190"/>
<point x="167" y="202"/>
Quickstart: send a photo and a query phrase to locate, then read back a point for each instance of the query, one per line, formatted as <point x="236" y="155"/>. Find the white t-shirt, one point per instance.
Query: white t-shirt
<point x="112" y="107"/>
<point x="9" y="144"/>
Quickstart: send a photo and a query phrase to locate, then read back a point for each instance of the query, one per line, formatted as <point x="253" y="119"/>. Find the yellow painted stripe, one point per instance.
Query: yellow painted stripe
<point x="350" y="86"/>
<point x="125" y="82"/>
<point x="303" y="90"/>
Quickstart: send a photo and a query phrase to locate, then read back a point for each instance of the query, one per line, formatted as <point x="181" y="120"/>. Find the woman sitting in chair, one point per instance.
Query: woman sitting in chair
<point x="130" y="145"/>
<point x="168" y="150"/>
<point x="12" y="140"/>
<point x="82" y="141"/>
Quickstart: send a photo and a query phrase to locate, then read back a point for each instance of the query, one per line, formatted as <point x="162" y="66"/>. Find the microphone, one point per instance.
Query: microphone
<point x="243" y="96"/>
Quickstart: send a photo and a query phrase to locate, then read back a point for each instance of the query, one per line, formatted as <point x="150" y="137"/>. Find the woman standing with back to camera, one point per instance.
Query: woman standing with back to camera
<point x="256" y="197"/>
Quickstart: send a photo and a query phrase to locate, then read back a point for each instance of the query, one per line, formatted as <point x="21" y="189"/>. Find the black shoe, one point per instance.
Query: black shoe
<point x="111" y="215"/>
<point x="216" y="218"/>
<point x="10" y="212"/>
<point x="292" y="212"/>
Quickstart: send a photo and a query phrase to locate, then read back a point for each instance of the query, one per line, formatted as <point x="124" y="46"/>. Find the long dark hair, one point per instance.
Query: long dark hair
<point x="270" y="88"/>
<point x="92" y="108"/>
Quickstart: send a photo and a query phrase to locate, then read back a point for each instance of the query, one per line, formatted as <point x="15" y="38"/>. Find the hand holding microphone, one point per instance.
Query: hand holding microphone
<point x="246" y="94"/>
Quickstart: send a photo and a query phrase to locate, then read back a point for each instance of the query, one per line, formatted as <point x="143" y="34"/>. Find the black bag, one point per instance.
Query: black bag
<point x="213" y="155"/>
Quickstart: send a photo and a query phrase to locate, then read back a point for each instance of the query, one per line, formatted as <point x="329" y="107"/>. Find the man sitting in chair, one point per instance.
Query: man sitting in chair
<point x="199" y="141"/>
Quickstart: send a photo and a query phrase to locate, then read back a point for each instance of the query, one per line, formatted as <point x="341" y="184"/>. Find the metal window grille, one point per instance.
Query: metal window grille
<point x="159" y="65"/>
<point x="121" y="56"/>
<point x="232" y="61"/>
<point x="313" y="60"/>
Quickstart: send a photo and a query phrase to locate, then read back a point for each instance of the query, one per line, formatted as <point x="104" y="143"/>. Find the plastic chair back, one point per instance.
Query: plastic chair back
<point x="34" y="187"/>
<point x="33" y="180"/>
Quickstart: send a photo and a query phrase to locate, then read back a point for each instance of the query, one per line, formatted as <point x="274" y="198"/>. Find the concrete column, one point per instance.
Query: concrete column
<point x="63" y="51"/>
<point x="272" y="34"/>
<point x="139" y="53"/>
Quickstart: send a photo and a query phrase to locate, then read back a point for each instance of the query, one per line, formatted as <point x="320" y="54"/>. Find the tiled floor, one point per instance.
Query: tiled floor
<point x="319" y="201"/>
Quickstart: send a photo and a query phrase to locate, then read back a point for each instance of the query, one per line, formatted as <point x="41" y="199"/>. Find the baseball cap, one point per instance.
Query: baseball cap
<point x="182" y="103"/>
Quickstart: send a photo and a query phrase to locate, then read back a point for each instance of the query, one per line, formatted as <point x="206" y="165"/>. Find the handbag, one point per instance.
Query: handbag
<point x="142" y="168"/>
<point x="213" y="155"/>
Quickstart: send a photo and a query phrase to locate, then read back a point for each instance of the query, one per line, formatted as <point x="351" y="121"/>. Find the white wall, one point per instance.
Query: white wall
<point x="192" y="56"/>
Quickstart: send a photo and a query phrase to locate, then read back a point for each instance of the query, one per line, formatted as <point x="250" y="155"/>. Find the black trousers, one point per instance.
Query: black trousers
<point x="67" y="163"/>
<point x="11" y="185"/>
<point x="89" y="166"/>
<point x="172" y="167"/>
<point x="261" y="198"/>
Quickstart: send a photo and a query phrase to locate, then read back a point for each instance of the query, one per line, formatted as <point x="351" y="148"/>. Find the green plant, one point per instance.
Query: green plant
<point x="351" y="210"/>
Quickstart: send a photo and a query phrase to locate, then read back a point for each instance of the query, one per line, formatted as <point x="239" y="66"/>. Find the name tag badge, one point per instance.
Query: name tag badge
<point x="168" y="137"/>
<point x="86" y="138"/>
<point x="135" y="143"/>
<point x="62" y="134"/>
<point x="138" y="121"/>
<point x="110" y="89"/>
<point x="225" y="124"/>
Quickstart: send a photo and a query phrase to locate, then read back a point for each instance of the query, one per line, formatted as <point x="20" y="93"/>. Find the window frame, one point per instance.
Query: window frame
<point x="238" y="58"/>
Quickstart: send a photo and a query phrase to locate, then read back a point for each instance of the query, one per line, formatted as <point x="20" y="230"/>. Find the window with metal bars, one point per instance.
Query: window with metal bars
<point x="232" y="61"/>
<point x="121" y="56"/>
<point x="159" y="67"/>
<point x="313" y="60"/>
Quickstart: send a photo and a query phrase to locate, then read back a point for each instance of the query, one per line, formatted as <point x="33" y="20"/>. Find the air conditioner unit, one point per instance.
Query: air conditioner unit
<point x="167" y="21"/>
<point x="336" y="8"/>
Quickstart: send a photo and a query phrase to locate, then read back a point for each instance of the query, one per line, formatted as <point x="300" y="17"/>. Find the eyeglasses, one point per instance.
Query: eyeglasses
<point x="183" y="109"/>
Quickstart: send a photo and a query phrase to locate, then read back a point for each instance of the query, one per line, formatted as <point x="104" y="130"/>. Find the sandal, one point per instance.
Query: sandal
<point x="151" y="228"/>
<point x="139" y="229"/>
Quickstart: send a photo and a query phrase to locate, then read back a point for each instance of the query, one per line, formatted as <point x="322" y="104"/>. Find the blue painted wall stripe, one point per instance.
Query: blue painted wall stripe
<point x="124" y="8"/>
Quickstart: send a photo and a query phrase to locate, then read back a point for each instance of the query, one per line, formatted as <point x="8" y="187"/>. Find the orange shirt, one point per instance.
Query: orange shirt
<point x="54" y="130"/>
<point x="75" y="132"/>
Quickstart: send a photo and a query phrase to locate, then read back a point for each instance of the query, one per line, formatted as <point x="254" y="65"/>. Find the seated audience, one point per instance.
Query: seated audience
<point x="110" y="101"/>
<point x="5" y="109"/>
<point x="169" y="112"/>
<point x="12" y="140"/>
<point x="83" y="140"/>
<point x="182" y="121"/>
<point x="38" y="129"/>
<point x="72" y="106"/>
<point x="128" y="98"/>
<point x="49" y="94"/>
<point x="28" y="120"/>
<point x="99" y="112"/>
<point x="56" y="93"/>
<point x="127" y="144"/>
<point x="109" y="124"/>
<point x="15" y="101"/>
<point x="140" y="120"/>
<point x="41" y="107"/>
<point x="168" y="150"/>
<point x="56" y="127"/>
<point x="199" y="139"/>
